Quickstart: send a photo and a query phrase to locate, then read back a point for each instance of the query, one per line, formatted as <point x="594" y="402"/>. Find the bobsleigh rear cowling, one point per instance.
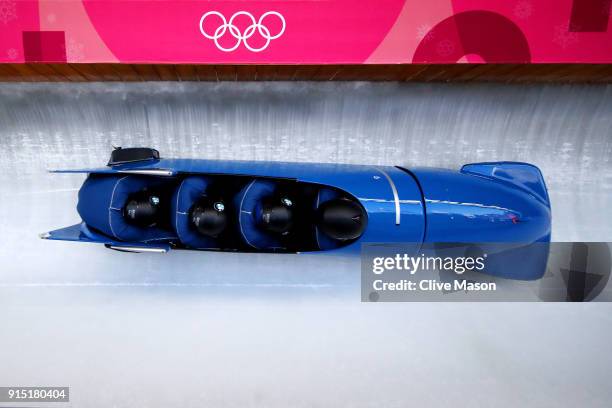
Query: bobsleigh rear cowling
<point x="152" y="203"/>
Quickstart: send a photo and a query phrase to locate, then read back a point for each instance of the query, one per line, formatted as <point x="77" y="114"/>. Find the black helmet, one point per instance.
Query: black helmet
<point x="209" y="217"/>
<point x="142" y="209"/>
<point x="342" y="219"/>
<point x="277" y="215"/>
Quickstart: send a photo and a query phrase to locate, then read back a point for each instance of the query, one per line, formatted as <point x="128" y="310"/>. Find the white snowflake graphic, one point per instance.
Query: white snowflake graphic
<point x="8" y="11"/>
<point x="523" y="9"/>
<point x="563" y="37"/>
<point x="74" y="51"/>
<point x="445" y="48"/>
<point x="11" y="53"/>
<point x="424" y="33"/>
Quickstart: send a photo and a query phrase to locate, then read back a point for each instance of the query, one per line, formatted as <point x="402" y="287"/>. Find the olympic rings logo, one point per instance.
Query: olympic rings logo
<point x="242" y="37"/>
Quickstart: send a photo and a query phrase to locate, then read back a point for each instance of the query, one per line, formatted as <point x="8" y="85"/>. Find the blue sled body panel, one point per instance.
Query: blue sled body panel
<point x="82" y="233"/>
<point x="466" y="206"/>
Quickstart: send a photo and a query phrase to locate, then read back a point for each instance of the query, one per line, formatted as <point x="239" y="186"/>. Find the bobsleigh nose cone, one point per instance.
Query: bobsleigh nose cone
<point x="342" y="219"/>
<point x="278" y="216"/>
<point x="142" y="210"/>
<point x="209" y="218"/>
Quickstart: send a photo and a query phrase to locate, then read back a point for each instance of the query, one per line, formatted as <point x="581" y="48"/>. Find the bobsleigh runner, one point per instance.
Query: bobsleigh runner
<point x="140" y="202"/>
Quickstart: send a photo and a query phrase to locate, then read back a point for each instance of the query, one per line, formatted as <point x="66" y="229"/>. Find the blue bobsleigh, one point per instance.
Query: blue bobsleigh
<point x="140" y="202"/>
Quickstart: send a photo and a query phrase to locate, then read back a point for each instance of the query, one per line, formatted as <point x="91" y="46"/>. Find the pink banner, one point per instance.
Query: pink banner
<point x="306" y="32"/>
